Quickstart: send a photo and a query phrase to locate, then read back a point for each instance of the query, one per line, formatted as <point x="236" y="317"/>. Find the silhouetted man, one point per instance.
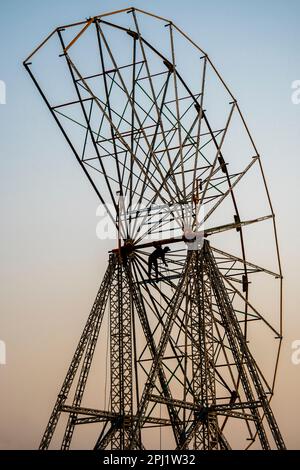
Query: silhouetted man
<point x="159" y="252"/>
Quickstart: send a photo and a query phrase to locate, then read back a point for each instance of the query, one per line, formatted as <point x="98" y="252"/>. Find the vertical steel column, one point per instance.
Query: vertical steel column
<point x="127" y="382"/>
<point x="203" y="354"/>
<point x="121" y="356"/>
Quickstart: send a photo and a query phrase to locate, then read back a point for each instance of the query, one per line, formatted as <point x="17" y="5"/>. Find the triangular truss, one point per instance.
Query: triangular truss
<point x="200" y="336"/>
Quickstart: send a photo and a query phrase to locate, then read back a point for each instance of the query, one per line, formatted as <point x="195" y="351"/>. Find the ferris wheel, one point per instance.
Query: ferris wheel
<point x="192" y="296"/>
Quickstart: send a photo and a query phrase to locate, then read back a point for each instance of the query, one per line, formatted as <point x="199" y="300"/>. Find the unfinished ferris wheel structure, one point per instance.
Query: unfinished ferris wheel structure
<point x="187" y="359"/>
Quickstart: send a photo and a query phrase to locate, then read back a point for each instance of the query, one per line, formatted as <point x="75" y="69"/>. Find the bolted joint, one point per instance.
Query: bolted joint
<point x="169" y="66"/>
<point x="133" y="34"/>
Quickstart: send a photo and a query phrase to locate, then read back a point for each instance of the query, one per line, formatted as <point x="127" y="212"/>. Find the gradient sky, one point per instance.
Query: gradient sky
<point x="52" y="262"/>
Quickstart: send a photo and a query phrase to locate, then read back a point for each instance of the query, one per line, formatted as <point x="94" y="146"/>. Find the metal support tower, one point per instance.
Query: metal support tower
<point x="207" y="303"/>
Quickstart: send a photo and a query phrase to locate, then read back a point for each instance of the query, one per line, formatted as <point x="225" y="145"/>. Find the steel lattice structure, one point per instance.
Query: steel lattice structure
<point x="166" y="148"/>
